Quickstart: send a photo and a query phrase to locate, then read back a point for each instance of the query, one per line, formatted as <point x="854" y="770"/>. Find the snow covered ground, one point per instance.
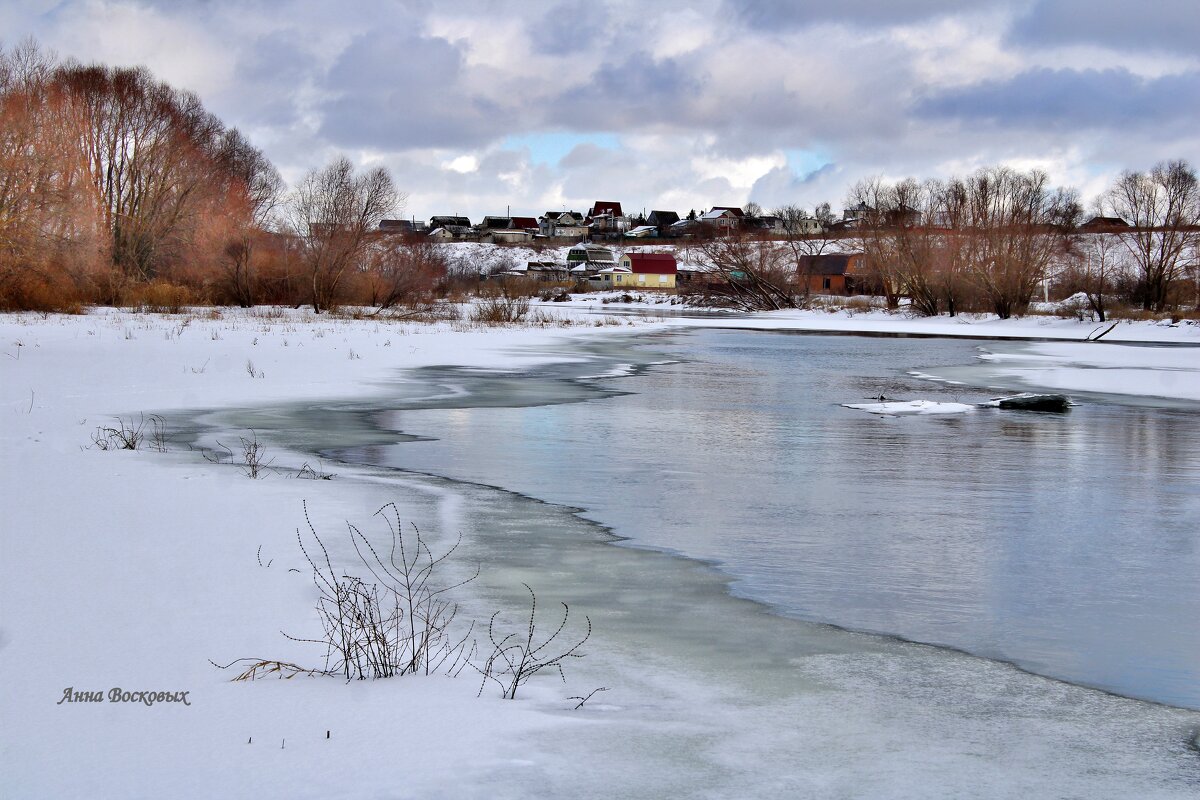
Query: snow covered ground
<point x="131" y="570"/>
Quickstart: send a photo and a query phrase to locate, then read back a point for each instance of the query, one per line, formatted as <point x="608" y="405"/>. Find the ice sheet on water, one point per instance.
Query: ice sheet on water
<point x="709" y="695"/>
<point x="898" y="408"/>
<point x="1131" y="371"/>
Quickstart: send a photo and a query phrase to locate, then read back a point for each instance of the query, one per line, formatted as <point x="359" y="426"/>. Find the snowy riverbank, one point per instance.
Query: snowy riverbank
<point x="131" y="569"/>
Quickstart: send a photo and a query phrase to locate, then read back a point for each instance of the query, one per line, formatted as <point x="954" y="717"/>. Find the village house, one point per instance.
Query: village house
<point x="645" y="271"/>
<point x="606" y="218"/>
<point x="684" y="228"/>
<point x="803" y="226"/>
<point x="695" y="274"/>
<point x="722" y="219"/>
<point x="547" y="270"/>
<point x="452" y="228"/>
<point x="1104" y="225"/>
<point x="508" y="230"/>
<point x="662" y="221"/>
<point x="834" y="273"/>
<point x="400" y="226"/>
<point x="588" y="259"/>
<point x="563" y="224"/>
<point x="495" y="223"/>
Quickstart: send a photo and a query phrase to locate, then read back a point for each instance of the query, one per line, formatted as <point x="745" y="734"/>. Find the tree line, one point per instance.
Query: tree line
<point x="986" y="242"/>
<point x="118" y="189"/>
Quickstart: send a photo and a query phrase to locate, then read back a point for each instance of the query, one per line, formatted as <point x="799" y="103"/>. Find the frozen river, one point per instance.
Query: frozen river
<point x="748" y="504"/>
<point x="1068" y="544"/>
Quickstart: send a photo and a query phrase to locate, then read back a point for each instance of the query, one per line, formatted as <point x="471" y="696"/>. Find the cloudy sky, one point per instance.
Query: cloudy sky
<point x="476" y="106"/>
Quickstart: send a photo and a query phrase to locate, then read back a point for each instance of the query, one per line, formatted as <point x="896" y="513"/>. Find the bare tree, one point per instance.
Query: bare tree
<point x="26" y="171"/>
<point x="791" y="216"/>
<point x="1099" y="262"/>
<point x="875" y="236"/>
<point x="254" y="183"/>
<point x="403" y="271"/>
<point x="752" y="275"/>
<point x="802" y="243"/>
<point x="1163" y="208"/>
<point x="1016" y="228"/>
<point x="823" y="214"/>
<point x="148" y="153"/>
<point x="111" y="168"/>
<point x="333" y="213"/>
<point x="999" y="228"/>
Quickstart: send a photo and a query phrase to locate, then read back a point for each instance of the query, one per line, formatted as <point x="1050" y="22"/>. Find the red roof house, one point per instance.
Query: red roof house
<point x="606" y="207"/>
<point x="649" y="263"/>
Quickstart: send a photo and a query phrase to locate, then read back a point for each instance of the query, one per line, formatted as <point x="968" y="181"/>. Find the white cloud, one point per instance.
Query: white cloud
<point x="705" y="97"/>
<point x="462" y="164"/>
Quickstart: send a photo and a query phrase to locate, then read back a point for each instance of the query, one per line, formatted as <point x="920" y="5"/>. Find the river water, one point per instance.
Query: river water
<point x="706" y="498"/>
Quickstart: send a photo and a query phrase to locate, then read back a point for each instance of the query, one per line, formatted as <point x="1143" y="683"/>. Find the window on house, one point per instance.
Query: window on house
<point x="662" y="278"/>
<point x="828" y="283"/>
<point x="641" y="278"/>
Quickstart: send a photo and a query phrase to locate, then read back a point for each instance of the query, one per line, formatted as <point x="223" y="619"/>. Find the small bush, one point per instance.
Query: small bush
<point x="161" y="297"/>
<point x="397" y="618"/>
<point x="554" y="294"/>
<point x="31" y="291"/>
<point x="517" y="657"/>
<point x="394" y="621"/>
<point x="500" y="310"/>
<point x="128" y="435"/>
<point x="859" y="305"/>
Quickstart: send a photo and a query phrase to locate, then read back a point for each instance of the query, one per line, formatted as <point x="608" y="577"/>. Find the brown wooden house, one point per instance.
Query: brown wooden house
<point x="834" y="273"/>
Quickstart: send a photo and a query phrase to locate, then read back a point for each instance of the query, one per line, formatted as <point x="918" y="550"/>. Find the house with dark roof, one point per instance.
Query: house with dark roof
<point x="1104" y="225"/>
<point x="400" y="226"/>
<point x="452" y="228"/>
<point x="834" y="273"/>
<point x="587" y="259"/>
<point x="495" y="223"/>
<point x="721" y="219"/>
<point x="547" y="269"/>
<point x="662" y="220"/>
<point x="448" y="222"/>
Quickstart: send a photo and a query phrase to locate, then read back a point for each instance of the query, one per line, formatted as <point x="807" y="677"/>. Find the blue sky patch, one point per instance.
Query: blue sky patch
<point x="549" y="148"/>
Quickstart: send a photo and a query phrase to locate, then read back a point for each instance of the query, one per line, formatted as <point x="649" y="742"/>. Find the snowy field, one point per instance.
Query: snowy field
<point x="131" y="570"/>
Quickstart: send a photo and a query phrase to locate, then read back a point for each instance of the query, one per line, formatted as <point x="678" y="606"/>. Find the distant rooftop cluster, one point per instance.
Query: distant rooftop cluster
<point x="605" y="220"/>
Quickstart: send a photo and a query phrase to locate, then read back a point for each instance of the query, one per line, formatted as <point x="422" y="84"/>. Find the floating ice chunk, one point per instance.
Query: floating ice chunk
<point x="896" y="408"/>
<point x="619" y="371"/>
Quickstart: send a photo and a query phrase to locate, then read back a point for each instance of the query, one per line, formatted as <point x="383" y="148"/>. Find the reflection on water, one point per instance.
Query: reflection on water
<point x="1064" y="543"/>
<point x="1067" y="544"/>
